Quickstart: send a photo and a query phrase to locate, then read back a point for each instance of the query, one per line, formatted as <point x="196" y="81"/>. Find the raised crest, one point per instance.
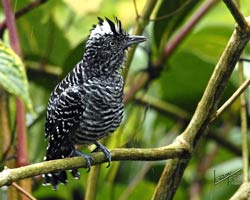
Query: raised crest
<point x="106" y="26"/>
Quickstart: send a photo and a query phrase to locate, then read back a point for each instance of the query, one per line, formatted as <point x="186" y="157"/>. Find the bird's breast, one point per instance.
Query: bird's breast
<point x="103" y="112"/>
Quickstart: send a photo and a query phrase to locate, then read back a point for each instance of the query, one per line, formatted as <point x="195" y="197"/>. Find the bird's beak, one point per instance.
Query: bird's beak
<point x="135" y="39"/>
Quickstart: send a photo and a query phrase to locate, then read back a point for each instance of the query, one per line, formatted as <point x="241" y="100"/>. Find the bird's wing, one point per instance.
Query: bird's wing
<point x="64" y="114"/>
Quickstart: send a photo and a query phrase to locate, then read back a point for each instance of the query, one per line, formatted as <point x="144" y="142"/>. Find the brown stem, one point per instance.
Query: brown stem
<point x="92" y="183"/>
<point x="142" y="22"/>
<point x="185" y="30"/>
<point x="7" y="148"/>
<point x="22" y="148"/>
<point x="28" y="195"/>
<point x="10" y="22"/>
<point x="144" y="78"/>
<point x="232" y="99"/>
<point x="22" y="12"/>
<point x="235" y="11"/>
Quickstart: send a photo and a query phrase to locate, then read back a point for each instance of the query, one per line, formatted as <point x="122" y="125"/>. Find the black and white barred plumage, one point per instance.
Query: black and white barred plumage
<point x="88" y="103"/>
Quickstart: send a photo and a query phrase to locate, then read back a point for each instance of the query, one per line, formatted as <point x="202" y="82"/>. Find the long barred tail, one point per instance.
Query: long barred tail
<point x="60" y="176"/>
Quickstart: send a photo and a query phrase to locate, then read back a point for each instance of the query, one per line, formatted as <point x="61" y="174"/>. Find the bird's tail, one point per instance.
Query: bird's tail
<point x="54" y="178"/>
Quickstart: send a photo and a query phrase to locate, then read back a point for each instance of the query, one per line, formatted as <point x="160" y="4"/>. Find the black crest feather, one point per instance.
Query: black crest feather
<point x="100" y="20"/>
<point x="112" y="26"/>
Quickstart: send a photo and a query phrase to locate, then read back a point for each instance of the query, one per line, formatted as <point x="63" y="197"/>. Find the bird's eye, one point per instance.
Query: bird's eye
<point x="112" y="43"/>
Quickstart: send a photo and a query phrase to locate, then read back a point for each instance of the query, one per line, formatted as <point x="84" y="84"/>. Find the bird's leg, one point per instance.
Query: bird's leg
<point x="100" y="147"/>
<point x="88" y="159"/>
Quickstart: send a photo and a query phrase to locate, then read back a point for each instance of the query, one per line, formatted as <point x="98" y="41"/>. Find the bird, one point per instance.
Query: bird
<point x="87" y="104"/>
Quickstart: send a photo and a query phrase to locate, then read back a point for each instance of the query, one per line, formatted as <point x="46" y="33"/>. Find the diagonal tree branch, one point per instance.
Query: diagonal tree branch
<point x="26" y="9"/>
<point x="242" y="193"/>
<point x="174" y="169"/>
<point x="238" y="17"/>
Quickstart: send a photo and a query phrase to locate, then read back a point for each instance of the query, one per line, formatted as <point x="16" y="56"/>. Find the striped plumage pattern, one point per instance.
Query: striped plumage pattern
<point x="87" y="104"/>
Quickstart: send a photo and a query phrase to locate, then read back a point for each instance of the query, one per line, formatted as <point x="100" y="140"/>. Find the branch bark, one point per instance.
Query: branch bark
<point x="174" y="169"/>
<point x="232" y="99"/>
<point x="8" y="176"/>
<point x="243" y="115"/>
<point x="237" y="15"/>
<point x="242" y="193"/>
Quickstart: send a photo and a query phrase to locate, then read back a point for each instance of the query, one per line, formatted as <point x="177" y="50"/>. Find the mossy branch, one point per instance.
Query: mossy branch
<point x="242" y="193"/>
<point x="8" y="176"/>
<point x="197" y="128"/>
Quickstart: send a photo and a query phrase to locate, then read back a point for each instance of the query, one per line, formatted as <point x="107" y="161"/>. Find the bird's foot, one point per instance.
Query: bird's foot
<point x="88" y="159"/>
<point x="100" y="147"/>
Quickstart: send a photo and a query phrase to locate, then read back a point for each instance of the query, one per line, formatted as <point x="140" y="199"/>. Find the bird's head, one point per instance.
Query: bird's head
<point x="107" y="44"/>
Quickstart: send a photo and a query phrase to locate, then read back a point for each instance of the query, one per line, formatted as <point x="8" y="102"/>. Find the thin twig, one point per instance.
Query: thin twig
<point x="91" y="188"/>
<point x="162" y="106"/>
<point x="23" y="191"/>
<point x="244" y="60"/>
<point x="7" y="136"/>
<point x="10" y="22"/>
<point x="144" y="78"/>
<point x="136" y="180"/>
<point x="172" y="13"/>
<point x="242" y="193"/>
<point x="236" y="13"/>
<point x="186" y="29"/>
<point x="136" y="9"/>
<point x="243" y="115"/>
<point x="92" y="182"/>
<point x="142" y="22"/>
<point x="235" y="96"/>
<point x="22" y="12"/>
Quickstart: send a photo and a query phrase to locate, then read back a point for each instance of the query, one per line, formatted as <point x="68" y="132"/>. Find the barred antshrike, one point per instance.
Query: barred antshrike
<point x="88" y="103"/>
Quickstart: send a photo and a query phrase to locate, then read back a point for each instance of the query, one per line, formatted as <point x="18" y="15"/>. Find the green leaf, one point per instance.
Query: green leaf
<point x="74" y="56"/>
<point x="185" y="80"/>
<point x="42" y="39"/>
<point x="169" y="17"/>
<point x="12" y="75"/>
<point x="208" y="42"/>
